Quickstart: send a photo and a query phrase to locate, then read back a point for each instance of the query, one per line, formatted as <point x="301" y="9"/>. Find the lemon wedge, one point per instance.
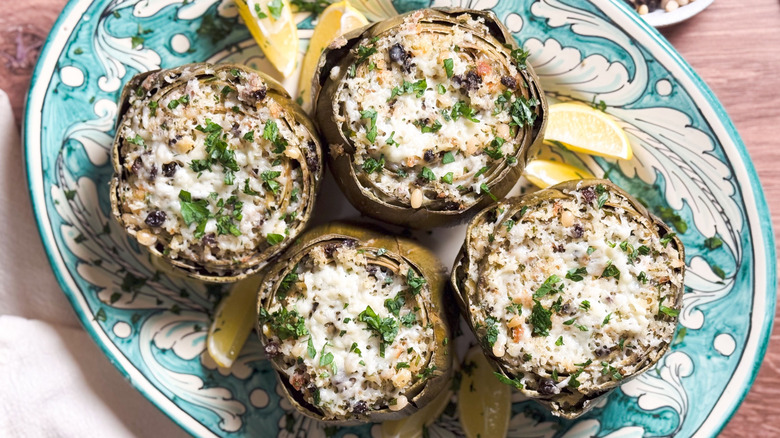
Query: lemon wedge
<point x="585" y="129"/>
<point x="336" y="20"/>
<point x="412" y="426"/>
<point x="546" y="173"/>
<point x="484" y="403"/>
<point x="273" y="27"/>
<point x="234" y="319"/>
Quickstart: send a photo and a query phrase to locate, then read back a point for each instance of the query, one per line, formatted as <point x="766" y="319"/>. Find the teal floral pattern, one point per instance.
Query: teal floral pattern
<point x="689" y="168"/>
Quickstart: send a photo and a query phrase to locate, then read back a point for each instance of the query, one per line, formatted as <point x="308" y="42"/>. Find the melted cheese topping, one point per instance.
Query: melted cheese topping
<point x="607" y="276"/>
<point x="166" y="147"/>
<point x="350" y="372"/>
<point x="422" y="105"/>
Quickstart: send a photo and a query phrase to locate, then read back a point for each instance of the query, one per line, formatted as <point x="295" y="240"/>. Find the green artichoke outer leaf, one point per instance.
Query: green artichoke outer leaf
<point x="148" y="88"/>
<point x="343" y="56"/>
<point x="466" y="277"/>
<point x="390" y="252"/>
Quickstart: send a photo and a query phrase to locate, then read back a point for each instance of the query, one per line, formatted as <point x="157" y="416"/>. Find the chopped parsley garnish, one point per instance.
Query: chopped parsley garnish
<point x="400" y="365"/>
<point x="642" y="277"/>
<point x="248" y="190"/>
<point x="275" y="8"/>
<point x="486" y="189"/>
<point x="590" y="250"/>
<point x="633" y="254"/>
<point x="428" y="372"/>
<point x="549" y="287"/>
<point x="153" y="105"/>
<point x="713" y="242"/>
<point x="225" y="223"/>
<point x="515" y="383"/>
<point x="394" y="305"/>
<point x="462" y="109"/>
<point x="216" y="27"/>
<point x="671" y="216"/>
<point x="285" y="324"/>
<point x="217" y="152"/>
<point x="573" y="383"/>
<point x="180" y="101"/>
<point x="414" y="282"/>
<point x="249" y="136"/>
<point x="606" y="319"/>
<point x="371" y="165"/>
<point x="521" y="111"/>
<point x="447" y="158"/>
<point x="271" y="133"/>
<point x="354" y="349"/>
<point x="447" y="178"/>
<point x="585" y="305"/>
<point x="427" y="174"/>
<point x="448" y="65"/>
<point x="137" y="41"/>
<point x="325" y="358"/>
<point x="424" y="128"/>
<point x="494" y="151"/>
<point x="603" y="195"/>
<point x="491" y="331"/>
<point x="408" y="320"/>
<point x="611" y="271"/>
<point x="481" y="171"/>
<point x="608" y="370"/>
<point x="386" y="328"/>
<point x="540" y="320"/>
<point x="310" y="345"/>
<point x="194" y="211"/>
<point x="137" y="140"/>
<point x="668" y="238"/>
<point x="577" y="274"/>
<point x="260" y="13"/>
<point x="418" y="88"/>
<point x="441" y="89"/>
<point x="573" y="321"/>
<point x="274" y="239"/>
<point x="509" y="224"/>
<point x="363" y="53"/>
<point x="668" y="311"/>
<point x="559" y="341"/>
<point x="289" y="279"/>
<point x="371" y="115"/>
<point x="391" y="141"/>
<point x="315" y="7"/>
<point x="519" y="56"/>
<point x="270" y="182"/>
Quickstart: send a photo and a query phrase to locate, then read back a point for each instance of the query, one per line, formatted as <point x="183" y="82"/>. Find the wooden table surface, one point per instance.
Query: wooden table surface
<point x="733" y="45"/>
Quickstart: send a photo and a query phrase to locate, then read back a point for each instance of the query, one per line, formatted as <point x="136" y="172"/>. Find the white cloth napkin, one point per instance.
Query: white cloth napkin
<point x="54" y="380"/>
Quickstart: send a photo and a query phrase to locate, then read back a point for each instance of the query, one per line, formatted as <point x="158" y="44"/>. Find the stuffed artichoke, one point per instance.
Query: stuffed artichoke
<point x="216" y="169"/>
<point x="429" y="115"/>
<point x="571" y="290"/>
<point x="355" y="324"/>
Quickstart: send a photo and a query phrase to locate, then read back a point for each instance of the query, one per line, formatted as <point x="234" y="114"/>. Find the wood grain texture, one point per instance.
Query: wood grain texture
<point x="733" y="45"/>
<point x="735" y="48"/>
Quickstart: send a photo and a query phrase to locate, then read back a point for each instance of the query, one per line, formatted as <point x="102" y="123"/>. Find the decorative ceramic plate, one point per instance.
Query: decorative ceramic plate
<point x="689" y="166"/>
<point x="661" y="18"/>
